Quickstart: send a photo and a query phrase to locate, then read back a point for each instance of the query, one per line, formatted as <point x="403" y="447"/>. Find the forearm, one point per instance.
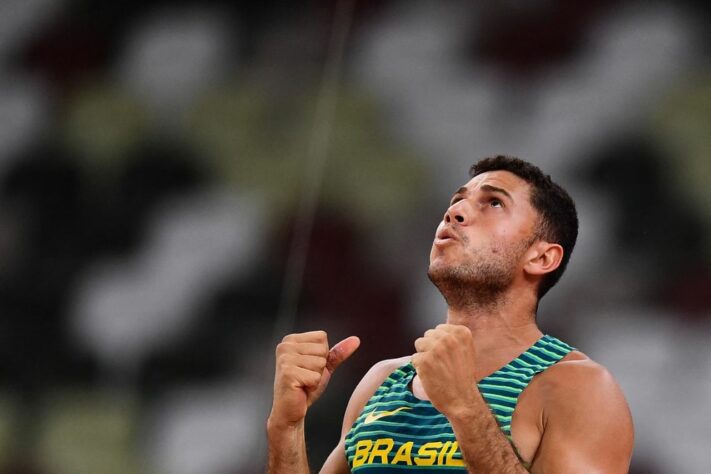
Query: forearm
<point x="287" y="449"/>
<point x="483" y="445"/>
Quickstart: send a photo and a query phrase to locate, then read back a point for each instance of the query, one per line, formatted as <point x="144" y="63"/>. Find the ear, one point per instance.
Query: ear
<point x="543" y="257"/>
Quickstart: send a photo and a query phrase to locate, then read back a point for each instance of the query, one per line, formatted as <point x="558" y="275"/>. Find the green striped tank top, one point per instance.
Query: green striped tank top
<point x="397" y="431"/>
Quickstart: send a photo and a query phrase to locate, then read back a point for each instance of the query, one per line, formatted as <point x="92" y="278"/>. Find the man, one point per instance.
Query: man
<point x="487" y="392"/>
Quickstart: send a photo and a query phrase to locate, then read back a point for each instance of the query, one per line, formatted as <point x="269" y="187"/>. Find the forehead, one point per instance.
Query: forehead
<point x="516" y="186"/>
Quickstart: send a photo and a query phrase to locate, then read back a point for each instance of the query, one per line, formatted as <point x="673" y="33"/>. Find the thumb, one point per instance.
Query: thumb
<point x="341" y="351"/>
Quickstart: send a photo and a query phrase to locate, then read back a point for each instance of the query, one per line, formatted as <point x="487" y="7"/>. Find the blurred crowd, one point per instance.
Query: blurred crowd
<point x="154" y="156"/>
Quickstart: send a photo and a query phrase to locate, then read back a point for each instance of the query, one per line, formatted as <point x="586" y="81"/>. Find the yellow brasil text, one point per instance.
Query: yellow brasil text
<point x="381" y="451"/>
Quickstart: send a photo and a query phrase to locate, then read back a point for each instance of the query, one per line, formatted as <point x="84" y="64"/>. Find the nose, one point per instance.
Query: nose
<point x="454" y="214"/>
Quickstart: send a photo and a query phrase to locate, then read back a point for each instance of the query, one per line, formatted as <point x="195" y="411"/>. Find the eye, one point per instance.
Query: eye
<point x="494" y="202"/>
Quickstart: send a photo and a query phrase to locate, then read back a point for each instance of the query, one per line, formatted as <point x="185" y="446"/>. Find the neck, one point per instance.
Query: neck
<point x="497" y="326"/>
<point x="500" y="331"/>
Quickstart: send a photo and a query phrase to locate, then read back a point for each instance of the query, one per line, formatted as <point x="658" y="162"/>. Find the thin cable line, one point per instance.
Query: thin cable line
<point x="317" y="156"/>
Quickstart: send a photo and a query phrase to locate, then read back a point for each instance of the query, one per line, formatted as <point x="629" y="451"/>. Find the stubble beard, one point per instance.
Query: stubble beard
<point x="478" y="282"/>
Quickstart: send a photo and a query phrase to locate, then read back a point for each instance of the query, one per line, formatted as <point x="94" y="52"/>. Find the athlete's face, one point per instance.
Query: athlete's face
<point x="484" y="234"/>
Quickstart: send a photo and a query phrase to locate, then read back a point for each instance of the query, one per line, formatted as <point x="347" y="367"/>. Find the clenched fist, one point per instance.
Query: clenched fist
<point x="304" y="365"/>
<point x="445" y="364"/>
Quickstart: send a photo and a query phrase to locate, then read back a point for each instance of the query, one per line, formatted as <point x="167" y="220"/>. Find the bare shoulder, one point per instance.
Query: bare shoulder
<point x="577" y="375"/>
<point x="585" y="420"/>
<point x="573" y="389"/>
<point x="578" y="392"/>
<point x="367" y="387"/>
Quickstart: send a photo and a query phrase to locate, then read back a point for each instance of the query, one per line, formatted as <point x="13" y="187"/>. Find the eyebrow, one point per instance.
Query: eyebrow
<point x="494" y="189"/>
<point x="463" y="191"/>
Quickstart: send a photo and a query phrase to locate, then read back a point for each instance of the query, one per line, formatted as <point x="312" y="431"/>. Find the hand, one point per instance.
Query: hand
<point x="445" y="363"/>
<point x="304" y="365"/>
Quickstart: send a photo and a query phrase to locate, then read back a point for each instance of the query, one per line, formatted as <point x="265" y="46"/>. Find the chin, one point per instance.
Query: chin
<point x="437" y="265"/>
<point x="444" y="260"/>
<point x="440" y="269"/>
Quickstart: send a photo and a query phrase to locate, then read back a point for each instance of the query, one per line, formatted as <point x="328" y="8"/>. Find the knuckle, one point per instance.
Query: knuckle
<point x="312" y="378"/>
<point x="283" y="361"/>
<point x="320" y="362"/>
<point x="421" y="344"/>
<point x="282" y="347"/>
<point x="287" y="372"/>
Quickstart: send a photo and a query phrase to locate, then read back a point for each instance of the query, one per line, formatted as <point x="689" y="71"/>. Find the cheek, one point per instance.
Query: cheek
<point x="497" y="245"/>
<point x="505" y="237"/>
<point x="500" y="242"/>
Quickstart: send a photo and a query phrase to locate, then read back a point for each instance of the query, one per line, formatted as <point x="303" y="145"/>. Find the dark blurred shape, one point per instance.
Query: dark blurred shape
<point x="67" y="55"/>
<point x="242" y="310"/>
<point x="154" y="174"/>
<point x="65" y="221"/>
<point x="22" y="468"/>
<point x="43" y="193"/>
<point x="526" y="38"/>
<point x="688" y="292"/>
<point x="651" y="221"/>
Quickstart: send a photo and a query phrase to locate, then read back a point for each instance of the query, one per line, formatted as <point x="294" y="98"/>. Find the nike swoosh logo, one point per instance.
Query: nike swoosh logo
<point x="376" y="416"/>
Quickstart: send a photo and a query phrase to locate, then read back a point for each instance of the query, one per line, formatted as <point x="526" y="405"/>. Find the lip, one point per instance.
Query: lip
<point x="445" y="236"/>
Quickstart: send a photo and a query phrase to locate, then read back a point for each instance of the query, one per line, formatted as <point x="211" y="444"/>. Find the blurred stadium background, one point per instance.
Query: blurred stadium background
<point x="154" y="155"/>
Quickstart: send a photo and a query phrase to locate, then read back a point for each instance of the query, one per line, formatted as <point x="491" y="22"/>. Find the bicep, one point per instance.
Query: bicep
<point x="587" y="430"/>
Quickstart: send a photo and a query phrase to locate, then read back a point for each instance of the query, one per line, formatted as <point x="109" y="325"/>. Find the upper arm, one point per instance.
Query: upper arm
<point x="336" y="463"/>
<point x="587" y="426"/>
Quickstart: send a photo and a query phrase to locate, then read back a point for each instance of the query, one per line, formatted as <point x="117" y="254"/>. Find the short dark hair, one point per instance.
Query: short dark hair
<point x="558" y="221"/>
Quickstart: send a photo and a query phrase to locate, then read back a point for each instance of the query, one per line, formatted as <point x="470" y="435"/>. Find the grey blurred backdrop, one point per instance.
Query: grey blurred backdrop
<point x="154" y="162"/>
